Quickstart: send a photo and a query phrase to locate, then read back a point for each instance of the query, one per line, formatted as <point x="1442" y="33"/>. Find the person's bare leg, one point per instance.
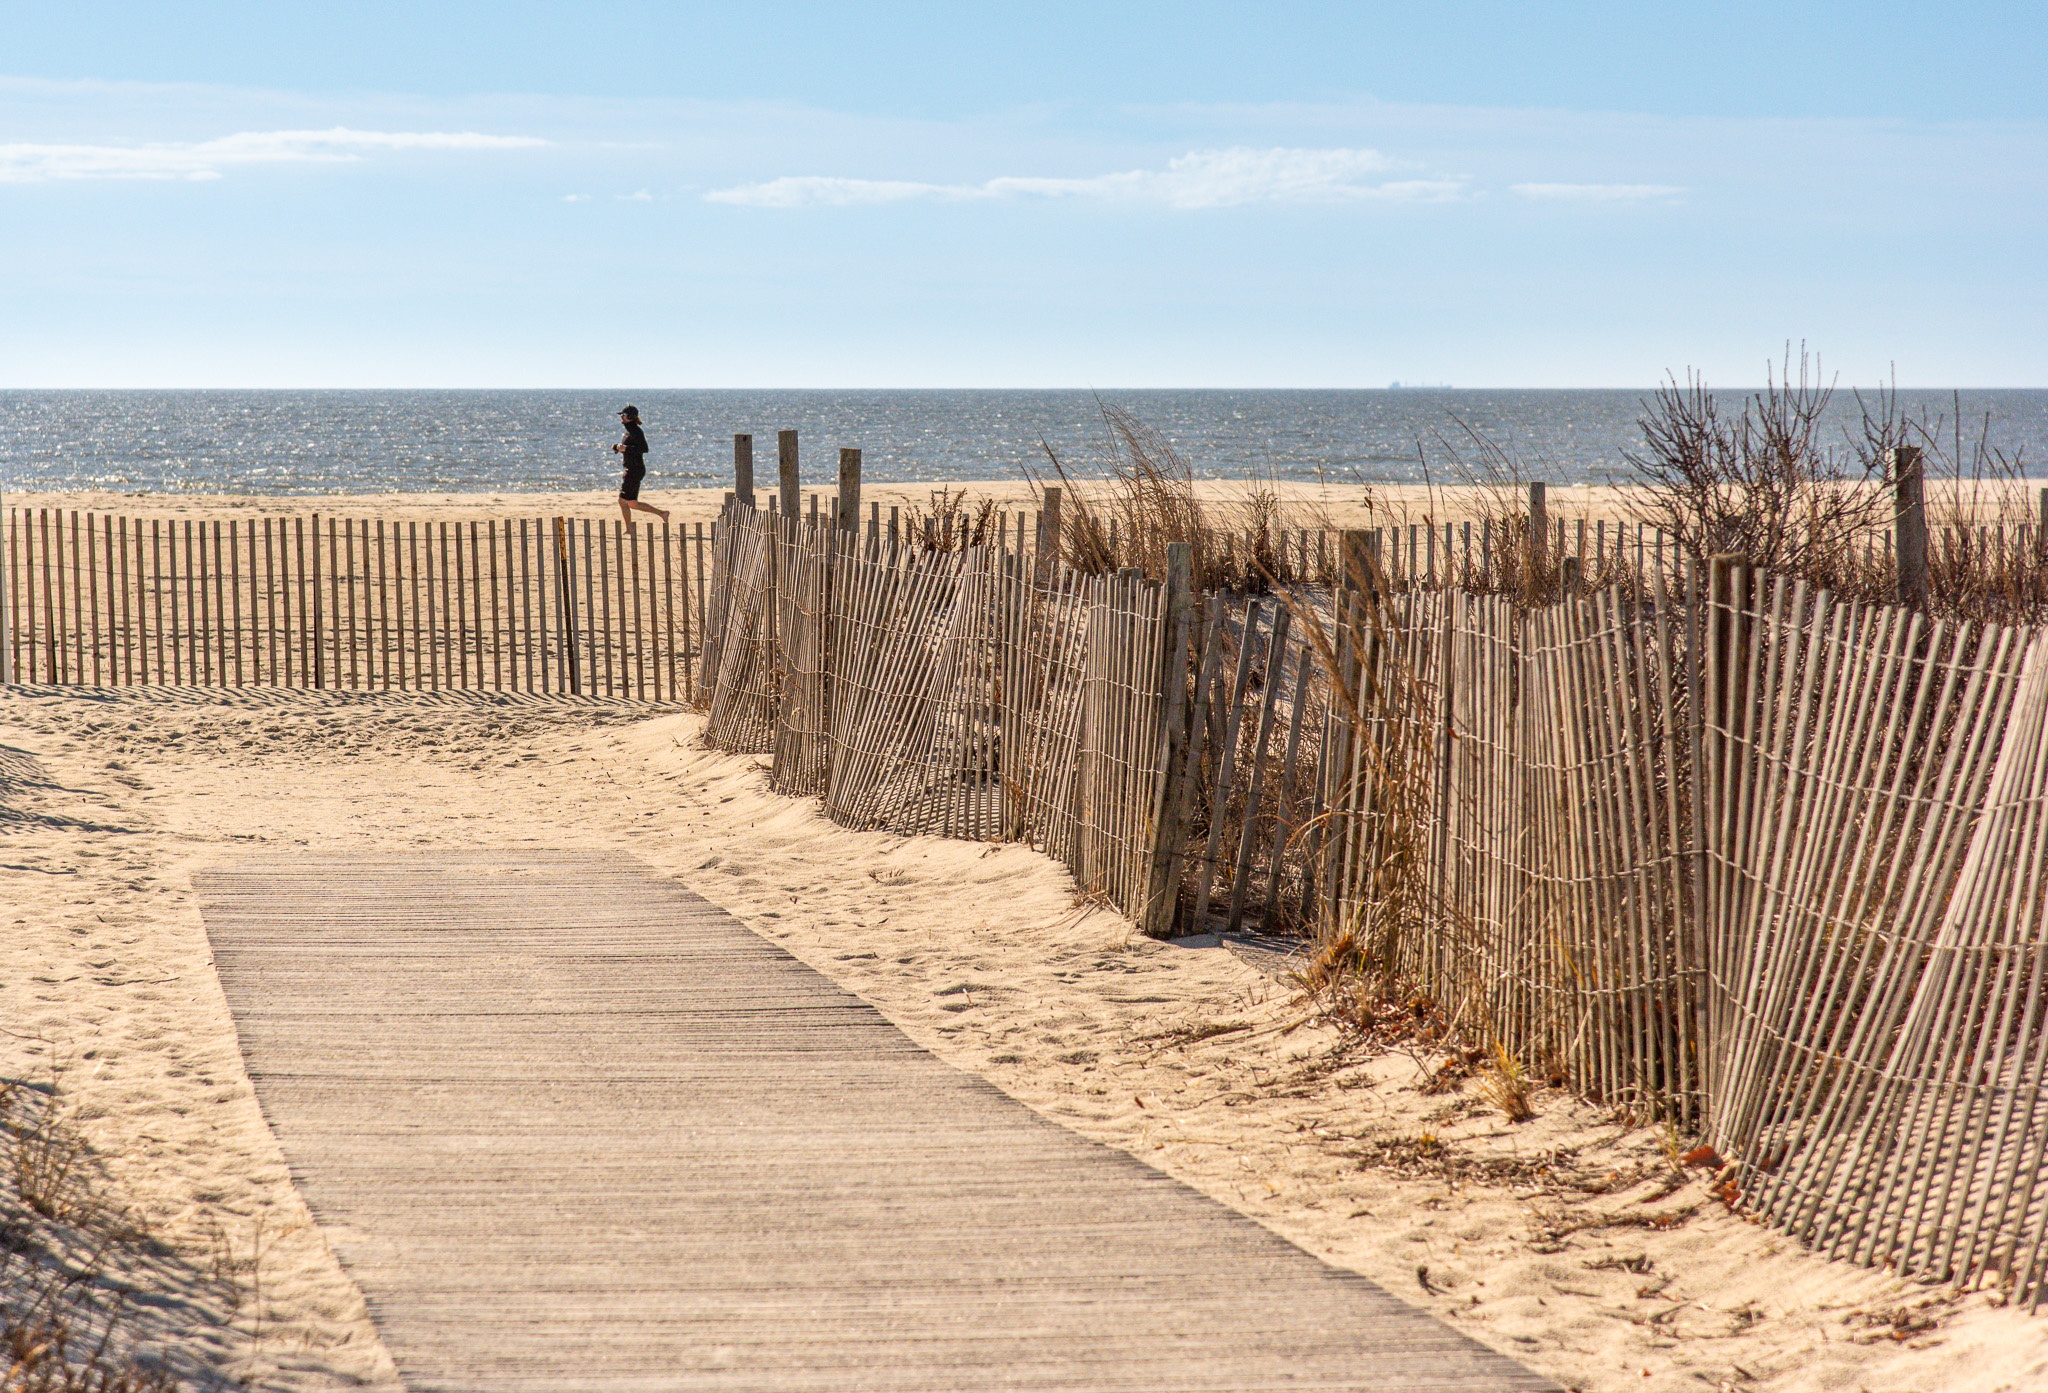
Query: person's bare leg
<point x="631" y="503"/>
<point x="625" y="513"/>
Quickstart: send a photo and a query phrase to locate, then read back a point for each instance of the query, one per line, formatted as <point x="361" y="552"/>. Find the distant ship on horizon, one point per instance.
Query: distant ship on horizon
<point x="1414" y="386"/>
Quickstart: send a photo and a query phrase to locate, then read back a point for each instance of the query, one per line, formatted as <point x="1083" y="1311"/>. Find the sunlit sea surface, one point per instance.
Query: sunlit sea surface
<point x="288" y="442"/>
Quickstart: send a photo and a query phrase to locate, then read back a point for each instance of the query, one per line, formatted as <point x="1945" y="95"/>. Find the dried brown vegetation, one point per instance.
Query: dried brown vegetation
<point x="1768" y="483"/>
<point x="65" y="1323"/>
<point x="1506" y="1085"/>
<point x="1146" y="500"/>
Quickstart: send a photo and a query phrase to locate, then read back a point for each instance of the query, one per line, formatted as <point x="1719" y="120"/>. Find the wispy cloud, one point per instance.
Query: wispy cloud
<point x="1198" y="179"/>
<point x="1597" y="193"/>
<point x="208" y="159"/>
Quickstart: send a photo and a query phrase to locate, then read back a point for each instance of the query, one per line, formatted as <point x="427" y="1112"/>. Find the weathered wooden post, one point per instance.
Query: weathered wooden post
<point x="2041" y="533"/>
<point x="565" y="627"/>
<point x="1726" y="584"/>
<point x="743" y="469"/>
<point x="319" y="671"/>
<point x="792" y="488"/>
<point x="1909" y="524"/>
<point x="1048" y="537"/>
<point x="1172" y="802"/>
<point x="7" y="596"/>
<point x="849" y="491"/>
<point x="1536" y="555"/>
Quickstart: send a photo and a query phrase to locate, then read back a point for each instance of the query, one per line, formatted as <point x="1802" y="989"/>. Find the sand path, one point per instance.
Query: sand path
<point x="572" y="1126"/>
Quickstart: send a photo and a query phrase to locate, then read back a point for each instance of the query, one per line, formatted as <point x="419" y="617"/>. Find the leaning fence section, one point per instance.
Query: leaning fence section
<point x="354" y="604"/>
<point x="954" y="693"/>
<point x="1876" y="874"/>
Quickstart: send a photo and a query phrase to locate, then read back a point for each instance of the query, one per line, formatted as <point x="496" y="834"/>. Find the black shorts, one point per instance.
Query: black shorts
<point x="629" y="487"/>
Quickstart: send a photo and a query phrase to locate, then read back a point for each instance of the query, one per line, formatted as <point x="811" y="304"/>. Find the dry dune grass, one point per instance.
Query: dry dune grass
<point x="68" y="1323"/>
<point x="1142" y="497"/>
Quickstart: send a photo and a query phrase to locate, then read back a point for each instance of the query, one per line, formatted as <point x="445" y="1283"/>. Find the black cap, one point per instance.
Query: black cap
<point x="632" y="411"/>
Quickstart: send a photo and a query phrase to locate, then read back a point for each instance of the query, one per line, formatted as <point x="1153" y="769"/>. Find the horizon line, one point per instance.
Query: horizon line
<point x="1387" y="388"/>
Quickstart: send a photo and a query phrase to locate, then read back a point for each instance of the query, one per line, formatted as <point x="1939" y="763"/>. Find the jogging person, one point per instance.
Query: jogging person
<point x="634" y="448"/>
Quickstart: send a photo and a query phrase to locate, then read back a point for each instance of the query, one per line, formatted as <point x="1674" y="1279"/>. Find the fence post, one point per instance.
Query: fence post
<point x="1910" y="524"/>
<point x="7" y="598"/>
<point x="792" y="489"/>
<point x="1354" y="547"/>
<point x="1168" y="804"/>
<point x="2041" y="533"/>
<point x="849" y="491"/>
<point x="1048" y="537"/>
<point x="565" y="601"/>
<point x="743" y="469"/>
<point x="319" y="671"/>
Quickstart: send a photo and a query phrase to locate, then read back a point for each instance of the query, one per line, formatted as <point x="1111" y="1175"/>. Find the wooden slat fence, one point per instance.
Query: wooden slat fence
<point x="1743" y="854"/>
<point x="1515" y="827"/>
<point x="1877" y="936"/>
<point x="355" y="604"/>
<point x="1714" y="846"/>
<point x="944" y="692"/>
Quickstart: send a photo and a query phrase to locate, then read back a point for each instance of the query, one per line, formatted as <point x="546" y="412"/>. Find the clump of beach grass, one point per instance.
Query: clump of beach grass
<point x="1506" y="1085"/>
<point x="65" y="1324"/>
<point x="1145" y="500"/>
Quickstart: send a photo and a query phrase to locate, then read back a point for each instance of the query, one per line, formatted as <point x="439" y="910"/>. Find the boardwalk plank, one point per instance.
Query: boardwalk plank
<point x="571" y="1127"/>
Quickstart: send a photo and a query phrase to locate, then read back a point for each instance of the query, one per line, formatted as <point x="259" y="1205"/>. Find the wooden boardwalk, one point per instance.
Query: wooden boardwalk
<point x="571" y="1127"/>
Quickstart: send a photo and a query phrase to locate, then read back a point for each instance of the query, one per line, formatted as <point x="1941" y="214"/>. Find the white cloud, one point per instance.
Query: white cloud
<point x="1198" y="179"/>
<point x="643" y="196"/>
<point x="575" y="198"/>
<point x="1598" y="193"/>
<point x="206" y="159"/>
<point x="807" y="190"/>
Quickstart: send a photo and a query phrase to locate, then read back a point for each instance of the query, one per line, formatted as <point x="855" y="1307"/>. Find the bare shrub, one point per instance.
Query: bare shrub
<point x="1768" y="485"/>
<point x="1765" y="482"/>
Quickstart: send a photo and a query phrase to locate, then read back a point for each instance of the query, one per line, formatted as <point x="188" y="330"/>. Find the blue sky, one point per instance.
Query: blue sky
<point x="1018" y="195"/>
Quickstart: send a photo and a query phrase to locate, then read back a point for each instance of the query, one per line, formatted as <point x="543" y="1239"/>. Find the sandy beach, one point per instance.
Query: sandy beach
<point x="1332" y="505"/>
<point x="1302" y="505"/>
<point x="1547" y="599"/>
<point x="1572" y="1242"/>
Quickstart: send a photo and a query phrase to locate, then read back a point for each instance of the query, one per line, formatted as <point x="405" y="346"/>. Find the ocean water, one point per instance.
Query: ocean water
<point x="298" y="442"/>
